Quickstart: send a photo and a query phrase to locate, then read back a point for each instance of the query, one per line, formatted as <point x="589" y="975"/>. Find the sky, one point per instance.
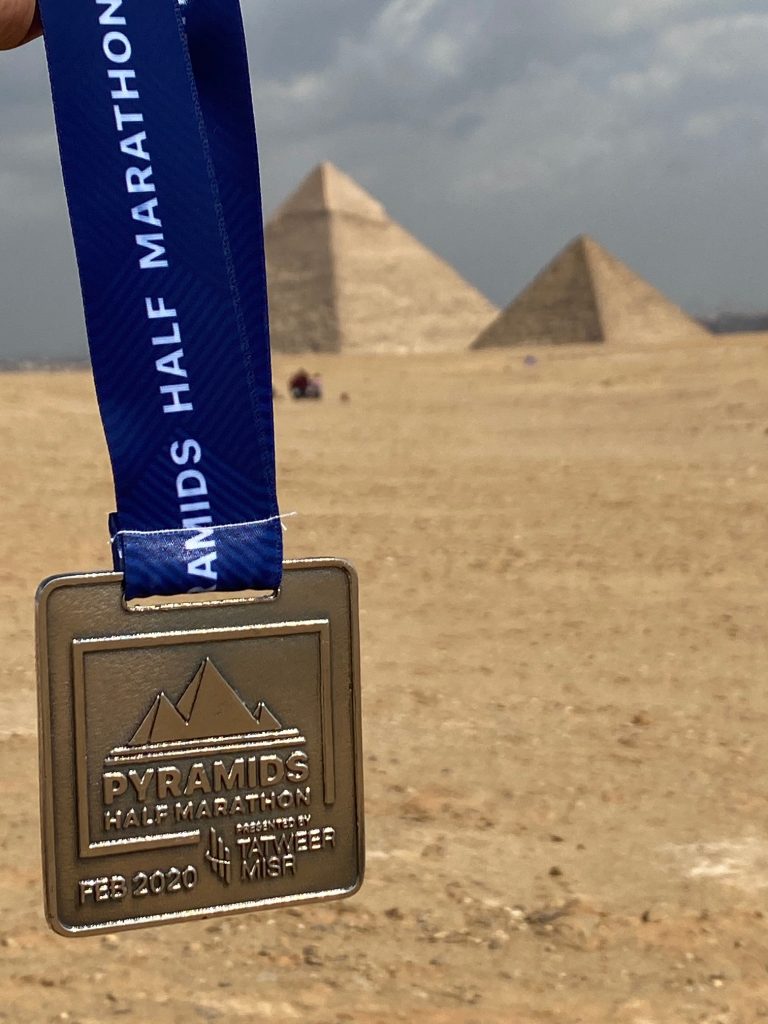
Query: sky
<point x="494" y="130"/>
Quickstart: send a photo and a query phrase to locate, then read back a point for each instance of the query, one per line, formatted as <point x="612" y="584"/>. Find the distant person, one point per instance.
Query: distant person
<point x="298" y="384"/>
<point x="304" y="385"/>
<point x="19" y="22"/>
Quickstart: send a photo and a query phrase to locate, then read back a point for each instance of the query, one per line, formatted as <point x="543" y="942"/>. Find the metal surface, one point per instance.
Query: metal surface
<point x="198" y="758"/>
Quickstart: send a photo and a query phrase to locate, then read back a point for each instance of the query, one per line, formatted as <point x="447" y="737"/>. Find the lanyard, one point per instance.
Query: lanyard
<point x="159" y="156"/>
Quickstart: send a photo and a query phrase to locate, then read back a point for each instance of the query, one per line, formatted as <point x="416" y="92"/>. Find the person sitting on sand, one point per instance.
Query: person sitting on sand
<point x="299" y="383"/>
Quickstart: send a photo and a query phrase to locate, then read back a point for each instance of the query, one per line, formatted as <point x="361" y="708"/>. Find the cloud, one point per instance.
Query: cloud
<point x="493" y="130"/>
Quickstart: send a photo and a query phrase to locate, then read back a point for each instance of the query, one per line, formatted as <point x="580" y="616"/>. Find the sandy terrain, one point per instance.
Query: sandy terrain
<point x="564" y="575"/>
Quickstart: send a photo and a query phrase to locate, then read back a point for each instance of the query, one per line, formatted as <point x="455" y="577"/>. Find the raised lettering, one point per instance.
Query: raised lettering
<point x="114" y="784"/>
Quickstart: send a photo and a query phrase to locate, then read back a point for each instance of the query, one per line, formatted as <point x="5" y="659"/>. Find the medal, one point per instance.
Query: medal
<point x="215" y="762"/>
<point x="200" y="755"/>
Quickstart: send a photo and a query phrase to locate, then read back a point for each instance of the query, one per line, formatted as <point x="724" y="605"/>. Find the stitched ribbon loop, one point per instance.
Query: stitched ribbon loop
<point x="158" y="149"/>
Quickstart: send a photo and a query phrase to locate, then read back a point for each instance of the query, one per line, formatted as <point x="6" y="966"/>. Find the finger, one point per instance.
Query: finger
<point x="35" y="29"/>
<point x="19" y="22"/>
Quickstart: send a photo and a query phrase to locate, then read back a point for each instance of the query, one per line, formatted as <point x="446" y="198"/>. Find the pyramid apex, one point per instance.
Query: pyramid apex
<point x="581" y="242"/>
<point x="592" y="244"/>
<point x="588" y="248"/>
<point x="328" y="190"/>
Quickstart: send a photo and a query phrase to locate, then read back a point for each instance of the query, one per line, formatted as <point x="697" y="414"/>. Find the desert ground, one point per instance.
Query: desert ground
<point x="564" y="587"/>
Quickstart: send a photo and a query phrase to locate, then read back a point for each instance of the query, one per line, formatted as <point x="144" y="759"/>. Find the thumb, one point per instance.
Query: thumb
<point x="19" y="22"/>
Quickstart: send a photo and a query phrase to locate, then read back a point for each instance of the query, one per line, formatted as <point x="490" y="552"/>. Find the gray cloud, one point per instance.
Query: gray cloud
<point x="494" y="131"/>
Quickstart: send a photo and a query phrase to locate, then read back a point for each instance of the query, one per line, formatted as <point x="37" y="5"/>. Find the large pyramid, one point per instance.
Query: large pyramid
<point x="345" y="277"/>
<point x="587" y="295"/>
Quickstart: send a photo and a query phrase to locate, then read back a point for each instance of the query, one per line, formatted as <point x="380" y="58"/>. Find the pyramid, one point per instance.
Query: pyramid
<point x="211" y="707"/>
<point x="208" y="707"/>
<point x="265" y="720"/>
<point x="344" y="277"/>
<point x="588" y="295"/>
<point x="162" y="723"/>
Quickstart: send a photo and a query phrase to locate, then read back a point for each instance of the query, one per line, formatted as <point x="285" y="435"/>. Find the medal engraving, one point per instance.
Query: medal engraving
<point x="198" y="758"/>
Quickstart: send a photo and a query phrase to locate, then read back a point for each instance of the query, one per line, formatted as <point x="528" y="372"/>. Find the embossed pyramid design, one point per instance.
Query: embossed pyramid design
<point x="209" y="707"/>
<point x="344" y="277"/>
<point x="588" y="295"/>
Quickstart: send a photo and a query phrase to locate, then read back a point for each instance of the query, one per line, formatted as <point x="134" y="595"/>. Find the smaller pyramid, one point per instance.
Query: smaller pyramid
<point x="265" y="720"/>
<point x="587" y="295"/>
<point x="162" y="720"/>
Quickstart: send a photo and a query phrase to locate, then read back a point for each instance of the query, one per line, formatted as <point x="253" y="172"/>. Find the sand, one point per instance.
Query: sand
<point x="564" y="574"/>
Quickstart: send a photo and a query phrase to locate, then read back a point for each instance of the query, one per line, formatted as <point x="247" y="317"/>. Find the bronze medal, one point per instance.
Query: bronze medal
<point x="198" y="758"/>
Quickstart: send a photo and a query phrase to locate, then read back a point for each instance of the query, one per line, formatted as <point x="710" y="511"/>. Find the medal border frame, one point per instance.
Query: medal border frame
<point x="88" y="847"/>
<point x="49" y="858"/>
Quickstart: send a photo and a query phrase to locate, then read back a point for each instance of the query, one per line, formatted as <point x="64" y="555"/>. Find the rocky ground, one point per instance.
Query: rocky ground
<point x="564" y="572"/>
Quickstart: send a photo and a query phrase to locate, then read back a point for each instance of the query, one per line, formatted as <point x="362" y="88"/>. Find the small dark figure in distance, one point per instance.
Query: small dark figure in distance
<point x="298" y="384"/>
<point x="304" y="385"/>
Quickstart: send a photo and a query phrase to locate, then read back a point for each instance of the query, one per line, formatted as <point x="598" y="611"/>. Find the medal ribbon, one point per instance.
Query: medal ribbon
<point x="158" y="149"/>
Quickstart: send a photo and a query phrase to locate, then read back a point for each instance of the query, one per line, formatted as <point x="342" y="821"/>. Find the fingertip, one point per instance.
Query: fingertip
<point x="19" y="23"/>
<point x="35" y="29"/>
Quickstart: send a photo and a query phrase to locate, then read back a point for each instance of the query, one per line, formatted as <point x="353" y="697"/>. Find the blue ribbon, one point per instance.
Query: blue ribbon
<point x="158" y="150"/>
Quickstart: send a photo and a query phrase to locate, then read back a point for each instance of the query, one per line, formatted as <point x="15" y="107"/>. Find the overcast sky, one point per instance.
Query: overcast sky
<point x="495" y="130"/>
